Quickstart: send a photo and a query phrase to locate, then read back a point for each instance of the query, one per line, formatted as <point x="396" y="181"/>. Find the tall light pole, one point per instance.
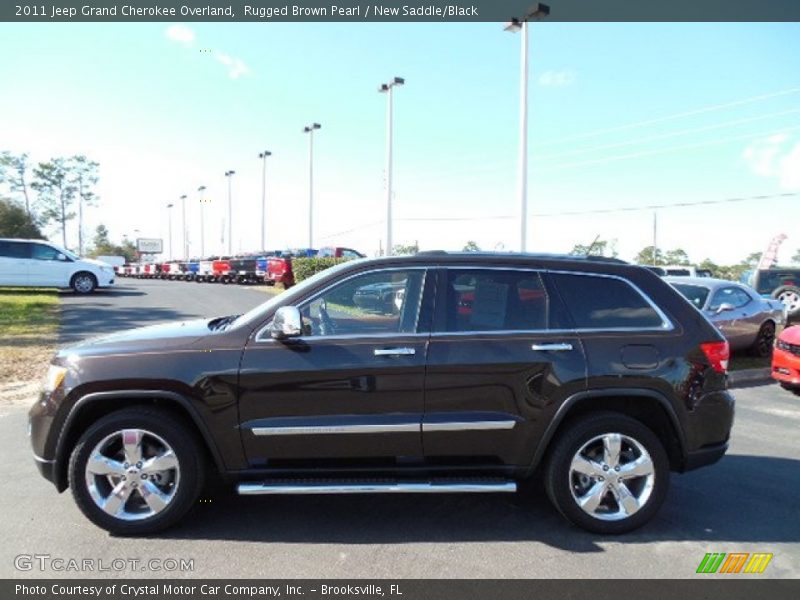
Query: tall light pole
<point x="169" y="228"/>
<point x="229" y="175"/>
<point x="309" y="129"/>
<point x="536" y="12"/>
<point x="263" y="156"/>
<point x="202" y="189"/>
<point x="183" y="219"/>
<point x="387" y="89"/>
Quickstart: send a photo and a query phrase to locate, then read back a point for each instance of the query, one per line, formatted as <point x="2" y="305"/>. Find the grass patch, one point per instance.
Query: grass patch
<point x="27" y="314"/>
<point x="28" y="333"/>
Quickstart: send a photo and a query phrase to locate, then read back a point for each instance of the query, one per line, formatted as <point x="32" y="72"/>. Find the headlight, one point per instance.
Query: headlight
<point x="54" y="379"/>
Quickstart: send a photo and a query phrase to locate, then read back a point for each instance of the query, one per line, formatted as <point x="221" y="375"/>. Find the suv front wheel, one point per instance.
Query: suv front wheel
<point x="83" y="283"/>
<point x="607" y="473"/>
<point x="136" y="471"/>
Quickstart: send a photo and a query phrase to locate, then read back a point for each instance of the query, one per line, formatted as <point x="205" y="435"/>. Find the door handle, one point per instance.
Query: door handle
<point x="556" y="347"/>
<point x="395" y="351"/>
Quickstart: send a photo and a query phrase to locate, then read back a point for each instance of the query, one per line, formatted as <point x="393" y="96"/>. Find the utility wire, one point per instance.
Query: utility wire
<point x="680" y="115"/>
<point x="668" y="135"/>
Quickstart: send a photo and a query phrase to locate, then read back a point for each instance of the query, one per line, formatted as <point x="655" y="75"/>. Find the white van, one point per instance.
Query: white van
<point x="37" y="263"/>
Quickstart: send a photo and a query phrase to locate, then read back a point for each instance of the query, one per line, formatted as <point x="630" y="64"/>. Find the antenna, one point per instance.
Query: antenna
<point x="592" y="245"/>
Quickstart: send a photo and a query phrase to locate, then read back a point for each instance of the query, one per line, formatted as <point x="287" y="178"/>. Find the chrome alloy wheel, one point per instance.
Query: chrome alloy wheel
<point x="611" y="477"/>
<point x="132" y="474"/>
<point x="790" y="299"/>
<point x="84" y="284"/>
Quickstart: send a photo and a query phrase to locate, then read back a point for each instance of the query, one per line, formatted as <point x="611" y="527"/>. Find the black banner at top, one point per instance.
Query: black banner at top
<point x="44" y="11"/>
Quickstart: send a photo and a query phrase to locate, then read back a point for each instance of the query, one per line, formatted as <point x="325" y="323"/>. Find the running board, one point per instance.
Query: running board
<point x="377" y="487"/>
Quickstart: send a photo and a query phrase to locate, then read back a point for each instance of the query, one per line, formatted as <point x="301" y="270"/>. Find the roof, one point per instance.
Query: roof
<point x="522" y="256"/>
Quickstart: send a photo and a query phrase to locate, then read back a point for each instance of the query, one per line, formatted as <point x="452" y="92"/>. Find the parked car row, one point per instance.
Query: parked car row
<point x="270" y="267"/>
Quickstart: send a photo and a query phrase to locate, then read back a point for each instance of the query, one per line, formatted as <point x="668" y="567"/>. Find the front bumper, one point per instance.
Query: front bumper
<point x="47" y="468"/>
<point x="785" y="367"/>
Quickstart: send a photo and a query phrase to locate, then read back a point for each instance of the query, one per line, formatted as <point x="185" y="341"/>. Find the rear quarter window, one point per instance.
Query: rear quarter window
<point x="597" y="302"/>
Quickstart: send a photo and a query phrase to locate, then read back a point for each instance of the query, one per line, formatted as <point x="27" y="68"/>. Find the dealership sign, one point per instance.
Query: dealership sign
<point x="149" y="245"/>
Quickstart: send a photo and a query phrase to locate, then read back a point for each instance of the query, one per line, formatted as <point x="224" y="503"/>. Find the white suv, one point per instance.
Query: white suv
<point x="37" y="263"/>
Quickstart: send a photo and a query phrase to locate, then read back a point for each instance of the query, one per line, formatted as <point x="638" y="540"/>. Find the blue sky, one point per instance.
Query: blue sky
<point x="620" y="115"/>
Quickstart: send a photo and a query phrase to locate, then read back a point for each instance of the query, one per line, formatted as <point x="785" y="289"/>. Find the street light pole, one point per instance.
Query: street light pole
<point x="263" y="156"/>
<point x="537" y="12"/>
<point x="183" y="219"/>
<point x="229" y="175"/>
<point x="201" y="189"/>
<point x="309" y="129"/>
<point x="169" y="228"/>
<point x="387" y="89"/>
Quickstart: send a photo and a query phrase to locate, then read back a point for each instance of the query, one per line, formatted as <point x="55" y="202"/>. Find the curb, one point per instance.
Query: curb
<point x="746" y="376"/>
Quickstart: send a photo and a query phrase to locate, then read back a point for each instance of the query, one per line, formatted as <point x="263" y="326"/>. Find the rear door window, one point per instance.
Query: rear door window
<point x="495" y="300"/>
<point x="599" y="302"/>
<point x="15" y="249"/>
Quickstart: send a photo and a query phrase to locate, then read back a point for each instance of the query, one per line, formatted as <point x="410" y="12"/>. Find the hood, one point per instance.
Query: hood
<point x="164" y="336"/>
<point x="96" y="263"/>
<point x="791" y="335"/>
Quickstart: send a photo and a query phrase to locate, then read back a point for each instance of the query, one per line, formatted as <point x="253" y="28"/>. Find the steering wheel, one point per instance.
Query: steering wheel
<point x="326" y="326"/>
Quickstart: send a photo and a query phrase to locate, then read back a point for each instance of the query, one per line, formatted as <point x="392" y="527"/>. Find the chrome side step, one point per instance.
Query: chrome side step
<point x="377" y="487"/>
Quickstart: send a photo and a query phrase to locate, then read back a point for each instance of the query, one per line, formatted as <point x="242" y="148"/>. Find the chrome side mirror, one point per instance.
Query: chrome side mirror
<point x="287" y="323"/>
<point x="61" y="257"/>
<point x="724" y="307"/>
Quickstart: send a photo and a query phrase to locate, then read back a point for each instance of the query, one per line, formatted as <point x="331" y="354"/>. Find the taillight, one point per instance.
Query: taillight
<point x="717" y="354"/>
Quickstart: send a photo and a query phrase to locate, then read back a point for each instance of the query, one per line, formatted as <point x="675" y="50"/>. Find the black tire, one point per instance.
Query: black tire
<point x="558" y="477"/>
<point x="191" y="469"/>
<point x="789" y="291"/>
<point x="765" y="340"/>
<point x="83" y="282"/>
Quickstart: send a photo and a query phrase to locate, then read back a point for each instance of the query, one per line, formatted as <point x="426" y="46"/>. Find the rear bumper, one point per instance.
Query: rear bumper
<point x="705" y="456"/>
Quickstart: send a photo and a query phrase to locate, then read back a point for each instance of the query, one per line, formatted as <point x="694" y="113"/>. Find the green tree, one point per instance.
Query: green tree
<point x="56" y="193"/>
<point x="676" y="257"/>
<point x="14" y="174"/>
<point x="796" y="257"/>
<point x="15" y="222"/>
<point x="753" y="259"/>
<point x="597" y="248"/>
<point x="103" y="246"/>
<point x="83" y="177"/>
<point x="401" y="249"/>
<point x="471" y="246"/>
<point x="650" y="256"/>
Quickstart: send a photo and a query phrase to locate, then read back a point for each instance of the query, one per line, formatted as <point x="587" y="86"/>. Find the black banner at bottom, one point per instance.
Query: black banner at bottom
<point x="730" y="588"/>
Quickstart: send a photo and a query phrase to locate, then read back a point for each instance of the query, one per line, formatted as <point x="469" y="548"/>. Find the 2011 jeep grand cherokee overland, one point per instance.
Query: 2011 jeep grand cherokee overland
<point x="480" y="371"/>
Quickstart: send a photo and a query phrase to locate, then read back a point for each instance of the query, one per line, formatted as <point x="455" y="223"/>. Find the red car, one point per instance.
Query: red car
<point x="220" y="269"/>
<point x="786" y="358"/>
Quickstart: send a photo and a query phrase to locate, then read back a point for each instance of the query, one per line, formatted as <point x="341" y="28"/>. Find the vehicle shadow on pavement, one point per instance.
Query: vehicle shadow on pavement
<point x="740" y="499"/>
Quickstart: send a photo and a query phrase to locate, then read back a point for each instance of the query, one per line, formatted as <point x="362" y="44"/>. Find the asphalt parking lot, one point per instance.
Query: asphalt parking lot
<point x="746" y="503"/>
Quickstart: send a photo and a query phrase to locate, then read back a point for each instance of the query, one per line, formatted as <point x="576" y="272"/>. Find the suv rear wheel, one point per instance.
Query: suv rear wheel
<point x="136" y="471"/>
<point x="607" y="473"/>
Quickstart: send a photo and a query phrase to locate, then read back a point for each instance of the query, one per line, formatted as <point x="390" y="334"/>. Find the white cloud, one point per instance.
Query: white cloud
<point x="236" y="66"/>
<point x="560" y="78"/>
<point x="180" y="34"/>
<point x="777" y="158"/>
<point x="183" y="35"/>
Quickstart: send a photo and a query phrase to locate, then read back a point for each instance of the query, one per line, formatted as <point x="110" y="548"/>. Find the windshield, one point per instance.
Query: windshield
<point x="254" y="315"/>
<point x="696" y="294"/>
